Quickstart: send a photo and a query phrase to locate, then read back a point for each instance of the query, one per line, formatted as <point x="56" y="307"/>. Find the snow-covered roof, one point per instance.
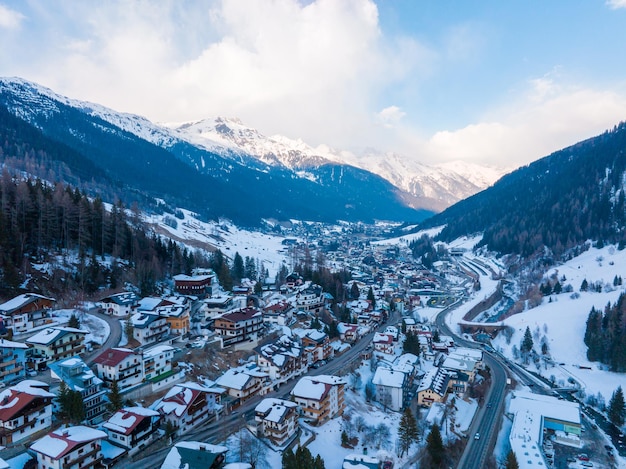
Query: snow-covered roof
<point x="61" y="442"/>
<point x="390" y="378"/>
<point x="52" y="334"/>
<point x="157" y="350"/>
<point x="274" y="410"/>
<point x="10" y="344"/>
<point x="20" y="301"/>
<point x="316" y="387"/>
<point x="237" y="378"/>
<point x="184" y="452"/>
<point x="126" y="419"/>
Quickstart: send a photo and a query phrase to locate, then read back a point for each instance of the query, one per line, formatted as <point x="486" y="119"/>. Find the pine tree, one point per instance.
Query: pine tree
<point x="527" y="343"/>
<point x="238" y="269"/>
<point x="407" y="430"/>
<point x="73" y="322"/>
<point x="511" y="461"/>
<point x="116" y="401"/>
<point x="129" y="330"/>
<point x="434" y="446"/>
<point x="354" y="291"/>
<point x="370" y="297"/>
<point x="584" y="286"/>
<point x="617" y="408"/>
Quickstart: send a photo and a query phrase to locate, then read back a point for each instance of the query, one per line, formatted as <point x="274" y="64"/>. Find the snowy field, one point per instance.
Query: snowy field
<point x="267" y="248"/>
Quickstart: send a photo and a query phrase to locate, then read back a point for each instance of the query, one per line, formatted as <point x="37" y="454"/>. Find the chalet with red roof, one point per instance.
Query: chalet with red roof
<point x="239" y="326"/>
<point x="25" y="409"/>
<point x="133" y="427"/>
<point x="188" y="405"/>
<point x="70" y="447"/>
<point x="120" y="364"/>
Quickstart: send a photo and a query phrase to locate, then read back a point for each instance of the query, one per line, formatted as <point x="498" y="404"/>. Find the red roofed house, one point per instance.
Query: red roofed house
<point x="188" y="405"/>
<point x="25" y="409"/>
<point x="383" y="343"/>
<point x="121" y="365"/>
<point x="69" y="447"/>
<point x="239" y="326"/>
<point x="133" y="427"/>
<point x="320" y="397"/>
<point x="195" y="285"/>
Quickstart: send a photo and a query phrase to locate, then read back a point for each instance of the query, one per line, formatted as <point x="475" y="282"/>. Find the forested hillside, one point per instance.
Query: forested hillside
<point x="559" y="202"/>
<point x="61" y="241"/>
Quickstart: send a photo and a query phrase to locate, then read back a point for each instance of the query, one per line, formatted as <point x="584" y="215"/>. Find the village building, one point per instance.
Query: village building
<point x="383" y="343"/>
<point x="282" y="359"/>
<point x="188" y="405"/>
<point x="199" y="286"/>
<point x="316" y="344"/>
<point x="239" y="326"/>
<point x="276" y="420"/>
<point x="77" y="376"/>
<point x="133" y="427"/>
<point x="120" y="304"/>
<point x="392" y="388"/>
<point x="310" y="299"/>
<point x="149" y="328"/>
<point x="195" y="455"/>
<point x="157" y="361"/>
<point x="320" y="397"/>
<point x="278" y="312"/>
<point x="13" y="358"/>
<point x="120" y="364"/>
<point x="56" y="343"/>
<point x="243" y="382"/>
<point x="25" y="409"/>
<point x="25" y="312"/>
<point x="69" y="447"/>
<point x="433" y="387"/>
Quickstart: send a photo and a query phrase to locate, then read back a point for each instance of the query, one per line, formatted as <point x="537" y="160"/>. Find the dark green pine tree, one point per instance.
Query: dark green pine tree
<point x="116" y="401"/>
<point x="407" y="431"/>
<point x="238" y="269"/>
<point x="527" y="342"/>
<point x="434" y="447"/>
<point x="617" y="408"/>
<point x="73" y="322"/>
<point x="584" y="286"/>
<point x="333" y="330"/>
<point x="593" y="335"/>
<point x="511" y="461"/>
<point x="288" y="459"/>
<point x="354" y="291"/>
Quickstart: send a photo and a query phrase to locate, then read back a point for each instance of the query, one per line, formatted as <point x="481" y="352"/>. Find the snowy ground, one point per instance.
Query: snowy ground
<point x="98" y="329"/>
<point x="267" y="248"/>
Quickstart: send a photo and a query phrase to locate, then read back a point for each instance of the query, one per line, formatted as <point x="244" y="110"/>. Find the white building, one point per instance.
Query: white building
<point x="391" y="387"/>
<point x="25" y="409"/>
<point x="68" y="448"/>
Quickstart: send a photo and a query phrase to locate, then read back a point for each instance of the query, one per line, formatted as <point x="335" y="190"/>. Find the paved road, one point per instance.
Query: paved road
<point x="113" y="340"/>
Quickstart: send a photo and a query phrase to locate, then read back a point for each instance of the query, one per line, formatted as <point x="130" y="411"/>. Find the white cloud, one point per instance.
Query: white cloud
<point x="390" y="116"/>
<point x="615" y="4"/>
<point x="10" y="19"/>
<point x="548" y="117"/>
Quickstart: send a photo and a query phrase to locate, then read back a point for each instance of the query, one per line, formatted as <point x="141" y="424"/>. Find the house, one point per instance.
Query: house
<point x="25" y="409"/>
<point x="348" y="332"/>
<point x="276" y="420"/>
<point x="216" y="306"/>
<point x="244" y="381"/>
<point x="278" y="312"/>
<point x="13" y="356"/>
<point x="383" y="343"/>
<point x="392" y="388"/>
<point x="195" y="455"/>
<point x="77" y="376"/>
<point x="188" y="405"/>
<point x="25" y="312"/>
<point x="133" y="427"/>
<point x="149" y="328"/>
<point x="293" y="280"/>
<point x="70" y="447"/>
<point x="56" y="343"/>
<point x="316" y="344"/>
<point x="433" y="387"/>
<point x="310" y="299"/>
<point x="320" y="397"/>
<point x="282" y="359"/>
<point x="177" y="318"/>
<point x="157" y="361"/>
<point x="194" y="285"/>
<point x="120" y="364"/>
<point x="239" y="326"/>
<point x="119" y="304"/>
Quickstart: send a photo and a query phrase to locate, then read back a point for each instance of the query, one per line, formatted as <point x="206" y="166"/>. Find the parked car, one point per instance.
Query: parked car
<point x="583" y="457"/>
<point x="477" y="436"/>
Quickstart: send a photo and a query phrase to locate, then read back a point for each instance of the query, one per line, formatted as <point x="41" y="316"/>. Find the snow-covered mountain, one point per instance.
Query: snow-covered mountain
<point x="435" y="187"/>
<point x="442" y="184"/>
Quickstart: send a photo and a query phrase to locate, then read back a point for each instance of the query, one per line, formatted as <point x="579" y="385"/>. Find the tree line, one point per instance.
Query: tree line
<point x="605" y="335"/>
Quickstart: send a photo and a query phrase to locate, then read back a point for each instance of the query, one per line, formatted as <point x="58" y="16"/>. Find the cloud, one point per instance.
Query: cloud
<point x="615" y="4"/>
<point x="549" y="116"/>
<point x="10" y="19"/>
<point x="390" y="116"/>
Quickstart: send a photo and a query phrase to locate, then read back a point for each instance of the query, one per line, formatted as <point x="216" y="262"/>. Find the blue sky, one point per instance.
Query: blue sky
<point x="489" y="81"/>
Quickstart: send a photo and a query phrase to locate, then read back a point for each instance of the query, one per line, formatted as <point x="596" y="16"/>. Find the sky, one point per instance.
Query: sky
<point x="489" y="82"/>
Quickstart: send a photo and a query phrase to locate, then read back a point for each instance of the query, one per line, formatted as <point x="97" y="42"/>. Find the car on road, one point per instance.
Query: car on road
<point x="586" y="464"/>
<point x="583" y="457"/>
<point x="477" y="436"/>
